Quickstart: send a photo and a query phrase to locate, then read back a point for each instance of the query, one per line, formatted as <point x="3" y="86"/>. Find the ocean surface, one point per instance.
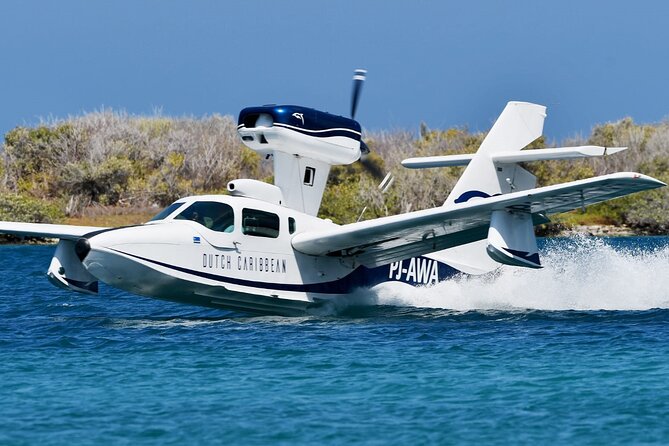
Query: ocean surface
<point x="575" y="353"/>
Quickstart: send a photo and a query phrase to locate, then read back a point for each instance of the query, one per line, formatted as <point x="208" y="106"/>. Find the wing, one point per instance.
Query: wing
<point x="384" y="240"/>
<point x="65" y="232"/>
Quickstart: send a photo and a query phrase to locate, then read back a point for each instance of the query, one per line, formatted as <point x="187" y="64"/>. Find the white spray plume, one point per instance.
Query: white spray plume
<point x="583" y="273"/>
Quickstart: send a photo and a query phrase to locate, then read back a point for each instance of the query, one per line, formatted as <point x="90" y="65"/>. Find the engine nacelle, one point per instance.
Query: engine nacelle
<point x="66" y="270"/>
<point x="300" y="131"/>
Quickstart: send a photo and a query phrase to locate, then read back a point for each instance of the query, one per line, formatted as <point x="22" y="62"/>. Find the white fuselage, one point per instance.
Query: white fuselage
<point x="244" y="268"/>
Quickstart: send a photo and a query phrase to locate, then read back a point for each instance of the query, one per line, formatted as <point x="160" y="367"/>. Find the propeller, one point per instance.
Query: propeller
<point x="358" y="79"/>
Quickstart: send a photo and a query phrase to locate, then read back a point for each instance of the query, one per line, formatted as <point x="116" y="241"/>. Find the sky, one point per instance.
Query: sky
<point x="445" y="63"/>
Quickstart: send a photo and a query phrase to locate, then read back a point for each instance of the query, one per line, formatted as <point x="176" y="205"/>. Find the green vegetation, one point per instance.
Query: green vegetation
<point x="107" y="165"/>
<point x="21" y="208"/>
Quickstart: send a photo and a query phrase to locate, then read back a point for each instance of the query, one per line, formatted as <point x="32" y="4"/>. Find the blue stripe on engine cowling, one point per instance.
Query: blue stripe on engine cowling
<point x="323" y="133"/>
<point x="311" y="119"/>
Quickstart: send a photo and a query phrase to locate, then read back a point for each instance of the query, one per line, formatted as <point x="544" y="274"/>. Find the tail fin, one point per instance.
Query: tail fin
<point x="519" y="124"/>
<point x="511" y="237"/>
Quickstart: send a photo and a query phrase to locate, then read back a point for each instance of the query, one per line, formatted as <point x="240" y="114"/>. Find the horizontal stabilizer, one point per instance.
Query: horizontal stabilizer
<point x="560" y="153"/>
<point x="524" y="156"/>
<point x="427" y="162"/>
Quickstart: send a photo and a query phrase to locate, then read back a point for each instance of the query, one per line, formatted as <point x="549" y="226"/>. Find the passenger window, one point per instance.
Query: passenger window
<point x="291" y="225"/>
<point x="216" y="216"/>
<point x="260" y="223"/>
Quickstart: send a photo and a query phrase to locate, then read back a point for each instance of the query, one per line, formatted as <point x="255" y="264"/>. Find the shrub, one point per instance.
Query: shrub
<point x="103" y="183"/>
<point x="20" y="208"/>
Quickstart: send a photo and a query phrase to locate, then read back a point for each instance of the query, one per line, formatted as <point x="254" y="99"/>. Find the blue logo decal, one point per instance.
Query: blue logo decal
<point x="196" y="240"/>
<point x="471" y="194"/>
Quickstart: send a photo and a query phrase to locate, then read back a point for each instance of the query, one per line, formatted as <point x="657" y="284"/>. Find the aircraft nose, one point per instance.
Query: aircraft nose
<point x="108" y="239"/>
<point x="101" y="241"/>
<point x="101" y="257"/>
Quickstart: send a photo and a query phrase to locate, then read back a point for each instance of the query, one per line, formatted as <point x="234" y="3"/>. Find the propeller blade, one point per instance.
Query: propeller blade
<point x="368" y="165"/>
<point x="358" y="79"/>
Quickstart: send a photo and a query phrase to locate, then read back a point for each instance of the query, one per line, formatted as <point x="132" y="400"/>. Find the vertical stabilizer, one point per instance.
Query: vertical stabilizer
<point x="519" y="124"/>
<point x="511" y="237"/>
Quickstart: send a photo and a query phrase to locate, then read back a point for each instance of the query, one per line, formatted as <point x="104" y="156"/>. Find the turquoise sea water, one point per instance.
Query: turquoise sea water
<point x="576" y="353"/>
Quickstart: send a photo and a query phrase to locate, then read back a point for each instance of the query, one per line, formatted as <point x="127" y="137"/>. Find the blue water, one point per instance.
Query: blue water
<point x="576" y="353"/>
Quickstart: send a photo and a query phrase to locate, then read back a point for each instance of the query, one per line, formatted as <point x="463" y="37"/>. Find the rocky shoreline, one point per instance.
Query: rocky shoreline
<point x="598" y="231"/>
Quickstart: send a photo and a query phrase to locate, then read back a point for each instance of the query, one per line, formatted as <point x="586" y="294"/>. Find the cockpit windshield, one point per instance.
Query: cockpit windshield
<point x="211" y="214"/>
<point x="167" y="211"/>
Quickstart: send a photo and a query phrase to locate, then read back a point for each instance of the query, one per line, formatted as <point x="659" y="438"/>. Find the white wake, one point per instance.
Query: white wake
<point x="583" y="273"/>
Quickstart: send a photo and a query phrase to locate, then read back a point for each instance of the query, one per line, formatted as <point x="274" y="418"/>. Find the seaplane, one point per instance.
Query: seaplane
<point x="262" y="248"/>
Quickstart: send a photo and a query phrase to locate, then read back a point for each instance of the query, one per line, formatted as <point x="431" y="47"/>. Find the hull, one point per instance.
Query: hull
<point x="210" y="288"/>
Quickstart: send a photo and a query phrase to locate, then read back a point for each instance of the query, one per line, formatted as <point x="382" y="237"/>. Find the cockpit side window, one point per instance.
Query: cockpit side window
<point x="260" y="223"/>
<point x="167" y="211"/>
<point x="216" y="216"/>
